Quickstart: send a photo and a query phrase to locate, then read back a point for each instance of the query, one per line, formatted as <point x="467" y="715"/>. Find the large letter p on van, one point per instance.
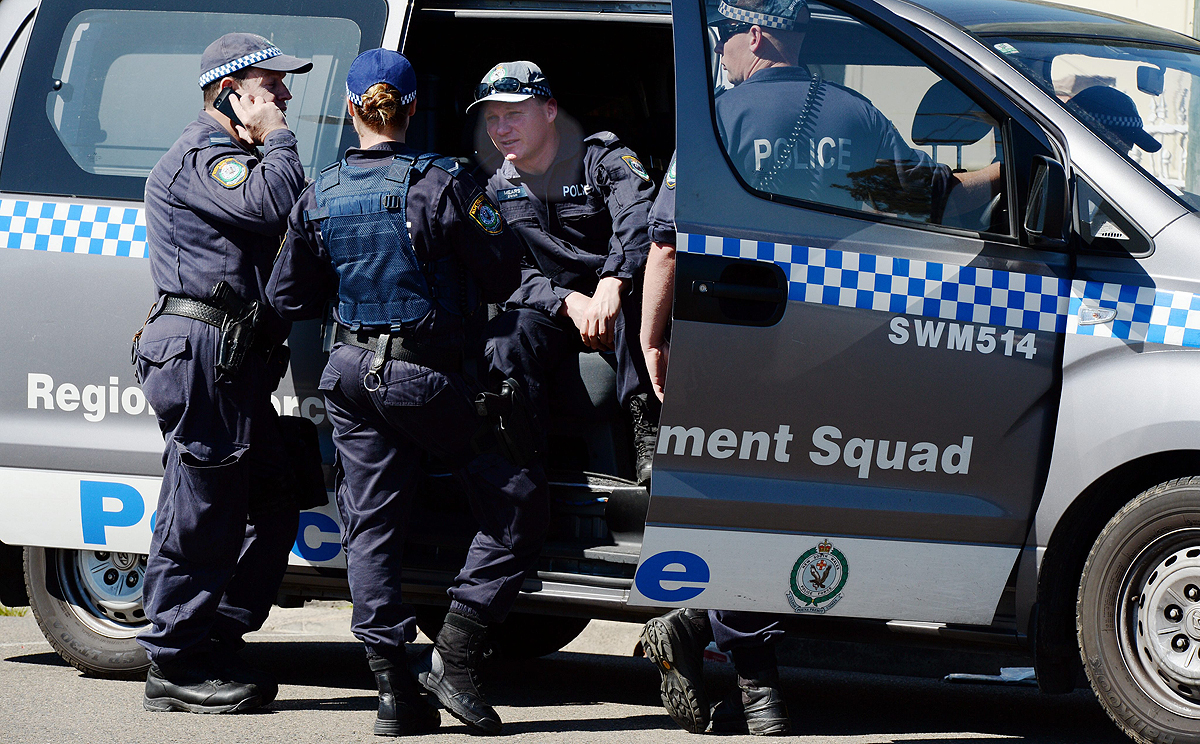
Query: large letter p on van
<point x="95" y="518"/>
<point x="654" y="571"/>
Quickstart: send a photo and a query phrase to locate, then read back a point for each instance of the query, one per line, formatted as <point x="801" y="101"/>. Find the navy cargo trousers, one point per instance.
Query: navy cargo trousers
<point x="225" y="523"/>
<point x="380" y="436"/>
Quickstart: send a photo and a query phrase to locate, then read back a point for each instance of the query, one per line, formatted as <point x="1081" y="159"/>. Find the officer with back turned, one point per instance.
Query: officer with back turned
<point x="208" y="359"/>
<point x="412" y="249"/>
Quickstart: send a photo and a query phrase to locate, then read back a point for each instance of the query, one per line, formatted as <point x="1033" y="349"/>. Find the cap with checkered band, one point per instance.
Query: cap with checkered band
<point x="237" y="51"/>
<point x="381" y="66"/>
<point x="1116" y="111"/>
<point x="785" y="15"/>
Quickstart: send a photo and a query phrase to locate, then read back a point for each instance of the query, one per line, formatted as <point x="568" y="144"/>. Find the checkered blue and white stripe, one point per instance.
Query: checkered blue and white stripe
<point x="760" y="19"/>
<point x="356" y="99"/>
<point x="72" y="228"/>
<point x="231" y="67"/>
<point x="968" y="294"/>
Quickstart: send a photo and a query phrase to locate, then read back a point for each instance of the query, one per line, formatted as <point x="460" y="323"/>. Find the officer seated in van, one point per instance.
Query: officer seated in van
<point x="791" y="133"/>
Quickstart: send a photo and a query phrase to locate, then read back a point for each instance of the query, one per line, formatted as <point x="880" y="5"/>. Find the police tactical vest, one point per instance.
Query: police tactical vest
<point x="363" y="216"/>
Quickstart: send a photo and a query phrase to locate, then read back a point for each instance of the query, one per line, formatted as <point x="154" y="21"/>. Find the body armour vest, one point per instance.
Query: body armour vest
<point x="363" y="218"/>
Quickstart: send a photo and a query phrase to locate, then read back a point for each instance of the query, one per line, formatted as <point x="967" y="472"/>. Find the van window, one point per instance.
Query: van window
<point x="104" y="93"/>
<point x="840" y="114"/>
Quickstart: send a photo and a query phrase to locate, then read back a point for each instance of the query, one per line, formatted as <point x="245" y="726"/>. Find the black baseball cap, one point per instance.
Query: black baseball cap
<point x="1117" y="112"/>
<point x="233" y="52"/>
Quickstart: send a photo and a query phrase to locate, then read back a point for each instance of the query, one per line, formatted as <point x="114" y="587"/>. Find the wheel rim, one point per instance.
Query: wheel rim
<point x="104" y="590"/>
<point x="1159" y="621"/>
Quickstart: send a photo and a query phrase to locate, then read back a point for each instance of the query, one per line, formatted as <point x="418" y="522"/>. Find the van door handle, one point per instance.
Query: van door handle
<point x="739" y="291"/>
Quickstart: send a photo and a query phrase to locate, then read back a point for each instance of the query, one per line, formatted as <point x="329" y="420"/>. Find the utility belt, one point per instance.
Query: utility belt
<point x="397" y="348"/>
<point x="241" y="325"/>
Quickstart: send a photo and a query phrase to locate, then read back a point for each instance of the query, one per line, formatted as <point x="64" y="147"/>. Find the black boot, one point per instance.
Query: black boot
<point x="197" y="686"/>
<point x="675" y="643"/>
<point x="756" y="707"/>
<point x="449" y="673"/>
<point x="226" y="659"/>
<point x="403" y="710"/>
<point x="644" y="413"/>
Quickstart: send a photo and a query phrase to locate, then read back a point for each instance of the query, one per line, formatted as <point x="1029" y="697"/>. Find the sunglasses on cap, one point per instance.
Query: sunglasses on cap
<point x="510" y="85"/>
<point x="727" y="29"/>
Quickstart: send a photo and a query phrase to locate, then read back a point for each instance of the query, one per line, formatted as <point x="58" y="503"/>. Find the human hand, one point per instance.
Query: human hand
<point x="259" y="118"/>
<point x="656" y="365"/>
<point x="601" y="315"/>
<point x="575" y="306"/>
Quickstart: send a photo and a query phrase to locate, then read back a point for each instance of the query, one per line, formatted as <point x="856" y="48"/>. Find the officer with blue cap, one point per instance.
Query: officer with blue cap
<point x="1117" y="116"/>
<point x="580" y="204"/>
<point x="411" y="249"/>
<point x="208" y="358"/>
<point x="675" y="642"/>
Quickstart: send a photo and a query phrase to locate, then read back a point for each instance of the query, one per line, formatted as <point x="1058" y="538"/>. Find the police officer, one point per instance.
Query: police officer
<point x="676" y="641"/>
<point x="791" y="133"/>
<point x="581" y="205"/>
<point x="411" y="247"/>
<point x="216" y="208"/>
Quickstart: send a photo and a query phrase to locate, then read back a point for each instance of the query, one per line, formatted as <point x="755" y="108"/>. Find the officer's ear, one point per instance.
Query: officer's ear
<point x="350" y="110"/>
<point x="411" y="109"/>
<point x="756" y="38"/>
<point x="551" y="110"/>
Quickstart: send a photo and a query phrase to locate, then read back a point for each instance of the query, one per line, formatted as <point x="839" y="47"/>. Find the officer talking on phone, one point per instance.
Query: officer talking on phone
<point x="208" y="358"/>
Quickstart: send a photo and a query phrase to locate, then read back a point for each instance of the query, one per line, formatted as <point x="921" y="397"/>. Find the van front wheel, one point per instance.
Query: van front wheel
<point x="1138" y="614"/>
<point x="88" y="604"/>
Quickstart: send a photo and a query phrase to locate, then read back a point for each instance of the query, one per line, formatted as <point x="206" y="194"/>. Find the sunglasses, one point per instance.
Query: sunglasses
<point x="510" y="85"/>
<point x="726" y="30"/>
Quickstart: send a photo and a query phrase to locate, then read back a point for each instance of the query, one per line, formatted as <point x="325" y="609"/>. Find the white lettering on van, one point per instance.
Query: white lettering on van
<point x="311" y="408"/>
<point x="961" y="337"/>
<point x="96" y="400"/>
<point x="857" y="454"/>
<point x="724" y="443"/>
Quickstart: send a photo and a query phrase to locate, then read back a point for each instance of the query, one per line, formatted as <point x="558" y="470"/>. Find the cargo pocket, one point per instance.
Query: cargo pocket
<point x="590" y="224"/>
<point x="518" y="211"/>
<point x="161" y="368"/>
<point x="410" y="384"/>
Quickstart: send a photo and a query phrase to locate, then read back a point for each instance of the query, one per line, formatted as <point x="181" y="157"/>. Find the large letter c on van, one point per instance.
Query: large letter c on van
<point x="661" y="567"/>
<point x="96" y="518"/>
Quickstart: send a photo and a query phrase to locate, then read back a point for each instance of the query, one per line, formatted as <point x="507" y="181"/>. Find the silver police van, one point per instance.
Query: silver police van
<point x="889" y="414"/>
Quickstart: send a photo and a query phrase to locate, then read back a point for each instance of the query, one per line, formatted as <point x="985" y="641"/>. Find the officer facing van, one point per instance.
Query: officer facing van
<point x="412" y="249"/>
<point x="581" y="206"/>
<point x="208" y="359"/>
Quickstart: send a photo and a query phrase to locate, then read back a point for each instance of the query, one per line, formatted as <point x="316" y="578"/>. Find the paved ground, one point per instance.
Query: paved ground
<point x="592" y="691"/>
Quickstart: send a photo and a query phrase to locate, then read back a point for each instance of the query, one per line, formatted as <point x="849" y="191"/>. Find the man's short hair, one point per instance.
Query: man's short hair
<point x="213" y="89"/>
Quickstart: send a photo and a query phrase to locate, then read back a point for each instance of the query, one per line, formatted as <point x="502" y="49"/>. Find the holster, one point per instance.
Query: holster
<point x="304" y="460"/>
<point x="511" y="417"/>
<point x="237" y="330"/>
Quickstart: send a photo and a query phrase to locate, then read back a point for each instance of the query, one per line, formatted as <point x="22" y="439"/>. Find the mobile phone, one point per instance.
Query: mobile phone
<point x="223" y="105"/>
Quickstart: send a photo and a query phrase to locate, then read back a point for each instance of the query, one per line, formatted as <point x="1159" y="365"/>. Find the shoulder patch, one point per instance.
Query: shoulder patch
<point x="486" y="216"/>
<point x="230" y="172"/>
<point x="636" y="166"/>
<point x="669" y="181"/>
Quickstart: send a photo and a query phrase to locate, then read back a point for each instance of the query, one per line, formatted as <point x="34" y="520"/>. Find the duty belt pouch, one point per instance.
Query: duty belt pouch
<point x="277" y="364"/>
<point x="509" y="412"/>
<point x="304" y="460"/>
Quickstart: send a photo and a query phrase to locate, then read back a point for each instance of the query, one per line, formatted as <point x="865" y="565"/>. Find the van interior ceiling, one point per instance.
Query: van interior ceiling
<point x="611" y="75"/>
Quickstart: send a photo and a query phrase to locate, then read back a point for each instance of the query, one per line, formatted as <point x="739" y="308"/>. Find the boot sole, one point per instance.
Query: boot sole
<point x="169" y="705"/>
<point x="395" y="728"/>
<point x="682" y="695"/>
<point x="481" y="725"/>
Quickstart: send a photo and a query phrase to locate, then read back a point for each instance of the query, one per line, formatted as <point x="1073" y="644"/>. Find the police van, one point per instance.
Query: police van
<point x="887" y="416"/>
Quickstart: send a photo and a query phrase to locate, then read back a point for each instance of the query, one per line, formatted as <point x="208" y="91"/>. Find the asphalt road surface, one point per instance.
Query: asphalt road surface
<point x="592" y="691"/>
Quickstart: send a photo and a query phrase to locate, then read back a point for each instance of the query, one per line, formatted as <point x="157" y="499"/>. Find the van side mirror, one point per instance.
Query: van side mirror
<point x="1046" y="210"/>
<point x="1151" y="80"/>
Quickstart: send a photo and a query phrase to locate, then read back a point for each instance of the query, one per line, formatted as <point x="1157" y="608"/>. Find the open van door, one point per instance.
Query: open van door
<point x="864" y="368"/>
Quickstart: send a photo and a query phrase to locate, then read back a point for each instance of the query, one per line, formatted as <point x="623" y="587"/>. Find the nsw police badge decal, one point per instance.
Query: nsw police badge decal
<point x="818" y="578"/>
<point x="485" y="215"/>
<point x="636" y="166"/>
<point x="230" y="172"/>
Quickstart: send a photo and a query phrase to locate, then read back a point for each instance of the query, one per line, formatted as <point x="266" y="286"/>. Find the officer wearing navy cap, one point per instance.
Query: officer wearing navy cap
<point x="412" y="249"/>
<point x="675" y="642"/>
<point x="1117" y="116"/>
<point x="581" y="206"/>
<point x="208" y="359"/>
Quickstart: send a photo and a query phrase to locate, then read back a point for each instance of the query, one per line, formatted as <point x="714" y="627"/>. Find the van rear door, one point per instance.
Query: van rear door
<point x="865" y="363"/>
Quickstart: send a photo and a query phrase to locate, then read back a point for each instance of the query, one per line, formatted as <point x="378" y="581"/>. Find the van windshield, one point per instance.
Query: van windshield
<point x="1135" y="95"/>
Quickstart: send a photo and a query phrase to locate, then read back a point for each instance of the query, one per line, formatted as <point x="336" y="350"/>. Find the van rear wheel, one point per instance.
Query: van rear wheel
<point x="1138" y="614"/>
<point x="88" y="604"/>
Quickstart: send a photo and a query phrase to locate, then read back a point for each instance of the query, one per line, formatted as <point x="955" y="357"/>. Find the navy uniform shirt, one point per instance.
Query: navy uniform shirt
<point x="662" y="214"/>
<point x="583" y="219"/>
<point x="215" y="211"/>
<point x="849" y="155"/>
<point x="440" y="225"/>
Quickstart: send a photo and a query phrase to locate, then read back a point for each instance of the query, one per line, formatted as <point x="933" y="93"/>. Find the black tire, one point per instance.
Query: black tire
<point x="91" y="631"/>
<point x="1138" y="615"/>
<point x="521" y="636"/>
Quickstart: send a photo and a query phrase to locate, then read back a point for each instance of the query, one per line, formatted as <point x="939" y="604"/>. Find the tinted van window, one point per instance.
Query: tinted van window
<point x="105" y="92"/>
<point x="836" y="112"/>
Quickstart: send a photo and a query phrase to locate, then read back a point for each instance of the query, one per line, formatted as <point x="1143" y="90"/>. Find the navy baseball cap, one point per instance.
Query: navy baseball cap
<point x="512" y="82"/>
<point x="381" y="66"/>
<point x="233" y="52"/>
<point x="1116" y="111"/>
<point x="780" y="14"/>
